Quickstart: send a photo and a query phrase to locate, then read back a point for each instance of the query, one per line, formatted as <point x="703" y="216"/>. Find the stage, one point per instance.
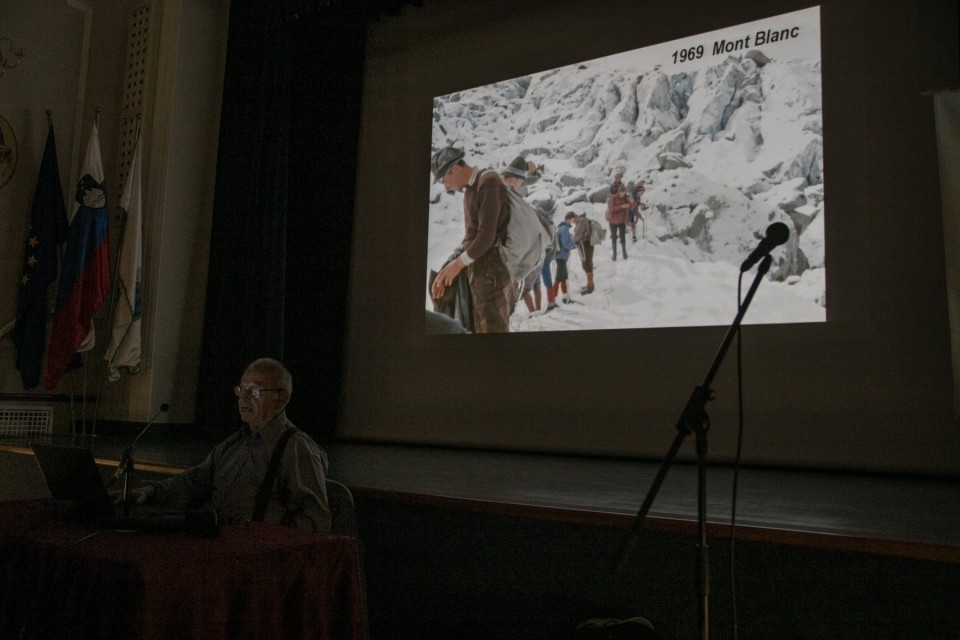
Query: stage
<point x="491" y="544"/>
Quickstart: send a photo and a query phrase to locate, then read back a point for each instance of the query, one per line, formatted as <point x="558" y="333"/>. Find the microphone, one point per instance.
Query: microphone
<point x="163" y="409"/>
<point x="128" y="452"/>
<point x="777" y="234"/>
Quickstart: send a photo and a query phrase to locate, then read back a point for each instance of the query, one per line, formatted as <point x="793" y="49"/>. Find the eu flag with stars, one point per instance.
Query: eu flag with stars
<point x="48" y="230"/>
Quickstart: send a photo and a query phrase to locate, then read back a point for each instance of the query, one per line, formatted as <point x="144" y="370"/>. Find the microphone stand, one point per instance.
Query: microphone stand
<point x="126" y="466"/>
<point x="694" y="420"/>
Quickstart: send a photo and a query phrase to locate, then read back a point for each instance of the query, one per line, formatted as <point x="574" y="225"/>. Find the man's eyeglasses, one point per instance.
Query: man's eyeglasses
<point x="252" y="391"/>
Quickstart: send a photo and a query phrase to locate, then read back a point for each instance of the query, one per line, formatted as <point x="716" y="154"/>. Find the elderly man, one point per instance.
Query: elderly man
<point x="233" y="481"/>
<point x="485" y="213"/>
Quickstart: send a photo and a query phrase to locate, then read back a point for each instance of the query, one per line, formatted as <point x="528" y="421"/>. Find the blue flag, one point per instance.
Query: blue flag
<point x="48" y="230"/>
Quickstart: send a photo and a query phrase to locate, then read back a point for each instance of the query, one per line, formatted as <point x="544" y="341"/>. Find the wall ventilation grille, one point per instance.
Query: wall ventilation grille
<point x="15" y="421"/>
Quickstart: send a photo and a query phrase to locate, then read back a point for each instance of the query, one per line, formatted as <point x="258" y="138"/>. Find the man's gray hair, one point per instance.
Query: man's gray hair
<point x="275" y="369"/>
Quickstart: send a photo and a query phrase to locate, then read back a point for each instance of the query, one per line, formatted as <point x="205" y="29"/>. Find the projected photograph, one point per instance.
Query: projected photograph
<point x="668" y="163"/>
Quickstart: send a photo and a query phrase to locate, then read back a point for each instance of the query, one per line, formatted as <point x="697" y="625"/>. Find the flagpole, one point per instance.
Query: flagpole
<point x="73" y="414"/>
<point x="83" y="392"/>
<point x="114" y="294"/>
<point x="83" y="417"/>
<point x="96" y="401"/>
<point x="61" y="249"/>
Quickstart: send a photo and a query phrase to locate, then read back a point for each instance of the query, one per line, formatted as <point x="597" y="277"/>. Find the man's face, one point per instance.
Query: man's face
<point x="456" y="177"/>
<point x="513" y="181"/>
<point x="258" y="411"/>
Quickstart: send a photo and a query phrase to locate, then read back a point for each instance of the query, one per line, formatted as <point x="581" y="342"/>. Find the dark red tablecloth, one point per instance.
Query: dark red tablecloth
<point x="62" y="580"/>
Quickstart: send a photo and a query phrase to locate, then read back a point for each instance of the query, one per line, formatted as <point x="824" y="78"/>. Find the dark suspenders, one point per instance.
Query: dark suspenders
<point x="263" y="495"/>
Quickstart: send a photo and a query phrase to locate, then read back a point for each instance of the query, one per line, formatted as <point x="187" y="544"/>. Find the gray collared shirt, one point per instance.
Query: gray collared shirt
<point x="230" y="476"/>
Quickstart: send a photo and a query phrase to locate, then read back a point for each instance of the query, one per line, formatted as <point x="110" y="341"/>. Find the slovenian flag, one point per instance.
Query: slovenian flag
<point x="124" y="349"/>
<point x="85" y="277"/>
<point x="48" y="230"/>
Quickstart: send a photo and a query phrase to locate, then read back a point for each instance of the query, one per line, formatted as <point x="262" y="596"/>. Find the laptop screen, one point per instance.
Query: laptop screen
<point x="74" y="480"/>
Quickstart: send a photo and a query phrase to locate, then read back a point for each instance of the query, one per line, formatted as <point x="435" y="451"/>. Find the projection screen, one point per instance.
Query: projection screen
<point x="851" y="371"/>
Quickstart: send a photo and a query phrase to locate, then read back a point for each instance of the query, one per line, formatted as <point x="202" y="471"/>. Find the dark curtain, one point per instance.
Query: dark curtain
<point x="325" y="129"/>
<point x="327" y="46"/>
<point x="244" y="315"/>
<point x="283" y="210"/>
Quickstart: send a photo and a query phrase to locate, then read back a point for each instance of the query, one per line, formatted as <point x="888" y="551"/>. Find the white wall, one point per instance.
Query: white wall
<point x="75" y="62"/>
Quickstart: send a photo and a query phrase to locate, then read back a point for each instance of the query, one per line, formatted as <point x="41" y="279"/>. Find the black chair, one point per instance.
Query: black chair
<point x="343" y="510"/>
<point x="343" y="521"/>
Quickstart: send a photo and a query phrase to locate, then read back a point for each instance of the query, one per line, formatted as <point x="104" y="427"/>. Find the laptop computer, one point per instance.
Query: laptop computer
<point x="80" y="495"/>
<point x="74" y="481"/>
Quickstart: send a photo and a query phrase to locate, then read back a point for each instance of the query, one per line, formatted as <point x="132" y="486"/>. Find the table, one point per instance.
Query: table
<point x="255" y="580"/>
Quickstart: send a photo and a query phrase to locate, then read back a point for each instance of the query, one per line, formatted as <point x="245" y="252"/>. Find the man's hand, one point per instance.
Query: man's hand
<point x="446" y="277"/>
<point x="137" y="496"/>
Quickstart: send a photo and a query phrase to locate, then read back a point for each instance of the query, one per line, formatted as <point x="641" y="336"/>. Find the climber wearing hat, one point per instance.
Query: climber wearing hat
<point x="485" y="216"/>
<point x="515" y="174"/>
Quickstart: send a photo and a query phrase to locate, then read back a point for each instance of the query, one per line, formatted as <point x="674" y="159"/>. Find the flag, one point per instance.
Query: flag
<point x="85" y="276"/>
<point x="124" y="349"/>
<point x="48" y="229"/>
